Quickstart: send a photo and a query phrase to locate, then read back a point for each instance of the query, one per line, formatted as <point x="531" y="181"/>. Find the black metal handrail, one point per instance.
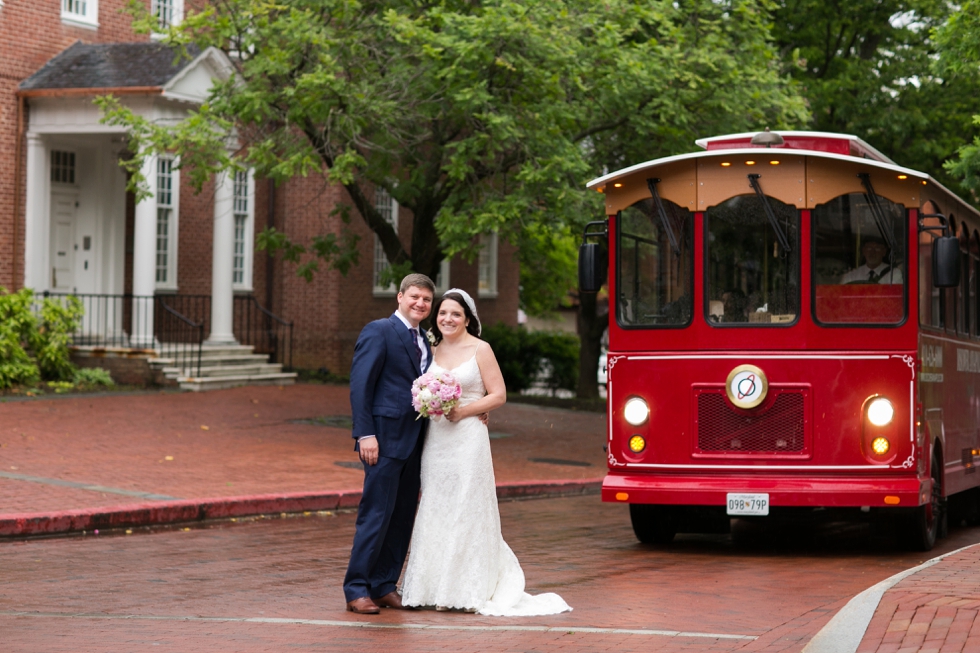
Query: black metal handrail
<point x="177" y="345"/>
<point x="265" y="331"/>
<point x="178" y="329"/>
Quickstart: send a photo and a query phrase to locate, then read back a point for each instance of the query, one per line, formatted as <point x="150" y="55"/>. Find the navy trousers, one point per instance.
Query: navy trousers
<point x="385" y="518"/>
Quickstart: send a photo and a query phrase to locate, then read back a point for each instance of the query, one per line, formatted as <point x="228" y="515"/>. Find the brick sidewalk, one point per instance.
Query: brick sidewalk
<point x="934" y="610"/>
<point x="68" y="462"/>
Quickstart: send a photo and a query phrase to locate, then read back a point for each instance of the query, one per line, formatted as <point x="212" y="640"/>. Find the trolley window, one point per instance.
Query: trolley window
<point x="750" y="277"/>
<point x="859" y="254"/>
<point x="654" y="279"/>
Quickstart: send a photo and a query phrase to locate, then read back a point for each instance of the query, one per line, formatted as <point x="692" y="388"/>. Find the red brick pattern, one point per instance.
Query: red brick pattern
<point x="932" y="611"/>
<point x="250" y="446"/>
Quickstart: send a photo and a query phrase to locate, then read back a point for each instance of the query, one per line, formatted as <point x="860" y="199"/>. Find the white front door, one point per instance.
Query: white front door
<point x="63" y="209"/>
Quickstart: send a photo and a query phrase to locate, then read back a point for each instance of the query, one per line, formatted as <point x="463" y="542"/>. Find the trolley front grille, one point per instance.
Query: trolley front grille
<point x="776" y="427"/>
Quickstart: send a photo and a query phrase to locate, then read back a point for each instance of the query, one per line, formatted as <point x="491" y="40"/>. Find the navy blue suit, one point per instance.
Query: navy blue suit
<point x="385" y="365"/>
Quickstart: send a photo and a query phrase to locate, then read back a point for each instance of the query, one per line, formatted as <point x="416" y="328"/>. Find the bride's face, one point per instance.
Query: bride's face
<point x="451" y="318"/>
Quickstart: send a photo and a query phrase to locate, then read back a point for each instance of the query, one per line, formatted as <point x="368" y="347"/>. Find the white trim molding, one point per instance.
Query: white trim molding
<point x="487" y="264"/>
<point x="243" y="204"/>
<point x="81" y="13"/>
<point x="167" y="198"/>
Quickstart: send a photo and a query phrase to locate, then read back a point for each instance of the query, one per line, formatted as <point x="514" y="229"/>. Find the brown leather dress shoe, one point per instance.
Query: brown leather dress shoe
<point x="363" y="605"/>
<point x="391" y="600"/>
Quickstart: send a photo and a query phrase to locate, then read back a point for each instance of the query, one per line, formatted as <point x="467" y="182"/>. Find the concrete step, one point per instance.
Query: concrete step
<point x="238" y="370"/>
<point x="245" y="359"/>
<point x="198" y="384"/>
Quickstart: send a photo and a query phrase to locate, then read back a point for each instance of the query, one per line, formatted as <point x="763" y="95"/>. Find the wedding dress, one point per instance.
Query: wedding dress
<point x="458" y="558"/>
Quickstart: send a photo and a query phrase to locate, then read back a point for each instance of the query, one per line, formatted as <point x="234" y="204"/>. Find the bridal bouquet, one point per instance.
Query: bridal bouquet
<point x="435" y="393"/>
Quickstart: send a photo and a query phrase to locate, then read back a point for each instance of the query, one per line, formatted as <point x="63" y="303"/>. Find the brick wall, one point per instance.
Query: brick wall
<point x="330" y="312"/>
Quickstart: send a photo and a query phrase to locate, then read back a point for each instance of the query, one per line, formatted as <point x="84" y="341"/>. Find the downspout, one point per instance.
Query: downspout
<point x="270" y="222"/>
<point x="18" y="151"/>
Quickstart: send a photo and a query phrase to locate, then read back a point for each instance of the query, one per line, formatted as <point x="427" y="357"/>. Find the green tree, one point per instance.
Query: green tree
<point x="477" y="116"/>
<point x="959" y="47"/>
<point x="866" y="68"/>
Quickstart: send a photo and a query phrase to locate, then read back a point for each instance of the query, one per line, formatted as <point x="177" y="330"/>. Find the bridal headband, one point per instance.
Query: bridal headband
<point x="469" y="304"/>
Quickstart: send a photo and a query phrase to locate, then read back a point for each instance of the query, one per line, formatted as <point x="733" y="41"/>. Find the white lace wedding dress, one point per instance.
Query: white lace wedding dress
<point x="458" y="558"/>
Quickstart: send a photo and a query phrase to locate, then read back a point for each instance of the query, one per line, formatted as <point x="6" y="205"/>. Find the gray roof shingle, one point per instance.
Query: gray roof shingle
<point x="109" y="65"/>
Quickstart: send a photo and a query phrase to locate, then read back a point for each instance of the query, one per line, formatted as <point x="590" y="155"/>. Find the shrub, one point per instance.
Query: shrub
<point x="559" y="354"/>
<point x="92" y="376"/>
<point x="34" y="338"/>
<point x="528" y="356"/>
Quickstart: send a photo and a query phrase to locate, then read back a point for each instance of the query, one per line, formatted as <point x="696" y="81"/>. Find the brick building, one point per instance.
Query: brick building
<point x="67" y="224"/>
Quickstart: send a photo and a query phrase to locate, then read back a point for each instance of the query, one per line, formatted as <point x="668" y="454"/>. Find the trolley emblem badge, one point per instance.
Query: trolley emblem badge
<point x="747" y="386"/>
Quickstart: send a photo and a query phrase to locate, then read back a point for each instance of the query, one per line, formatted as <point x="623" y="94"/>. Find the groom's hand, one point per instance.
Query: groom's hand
<point x="368" y="448"/>
<point x="485" y="418"/>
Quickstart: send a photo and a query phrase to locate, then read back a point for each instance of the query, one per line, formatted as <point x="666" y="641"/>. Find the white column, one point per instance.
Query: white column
<point x="144" y="260"/>
<point x="37" y="245"/>
<point x="222" y="262"/>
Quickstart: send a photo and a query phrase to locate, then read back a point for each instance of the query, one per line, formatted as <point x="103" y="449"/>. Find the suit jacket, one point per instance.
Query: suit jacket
<point x="381" y="377"/>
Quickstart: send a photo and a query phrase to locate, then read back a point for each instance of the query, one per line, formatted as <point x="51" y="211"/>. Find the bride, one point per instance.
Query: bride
<point x="458" y="558"/>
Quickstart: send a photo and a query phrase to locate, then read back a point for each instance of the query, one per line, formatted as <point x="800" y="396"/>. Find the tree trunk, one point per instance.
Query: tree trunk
<point x="590" y="327"/>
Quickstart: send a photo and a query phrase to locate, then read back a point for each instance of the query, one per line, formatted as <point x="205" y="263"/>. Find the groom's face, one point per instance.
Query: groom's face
<point x="414" y="304"/>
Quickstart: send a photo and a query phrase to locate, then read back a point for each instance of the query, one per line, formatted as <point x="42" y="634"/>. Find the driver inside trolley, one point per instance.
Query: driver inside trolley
<point x="877" y="267"/>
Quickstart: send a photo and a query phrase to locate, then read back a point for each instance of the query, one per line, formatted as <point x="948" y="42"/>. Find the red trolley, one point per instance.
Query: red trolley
<point x="793" y="324"/>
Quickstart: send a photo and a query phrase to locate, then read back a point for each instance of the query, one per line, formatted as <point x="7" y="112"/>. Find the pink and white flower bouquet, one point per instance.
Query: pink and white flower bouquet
<point x="435" y="393"/>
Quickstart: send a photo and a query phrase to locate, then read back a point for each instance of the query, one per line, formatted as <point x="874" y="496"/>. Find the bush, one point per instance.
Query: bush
<point x="92" y="376"/>
<point x="529" y="356"/>
<point x="559" y="353"/>
<point x="34" y="338"/>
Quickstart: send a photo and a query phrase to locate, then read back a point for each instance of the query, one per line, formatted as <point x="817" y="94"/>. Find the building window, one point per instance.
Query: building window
<point x="487" y="264"/>
<point x="167" y="180"/>
<point x="388" y="208"/>
<point x="244" y="212"/>
<point x="62" y="167"/>
<point x="83" y="12"/>
<point x="168" y="12"/>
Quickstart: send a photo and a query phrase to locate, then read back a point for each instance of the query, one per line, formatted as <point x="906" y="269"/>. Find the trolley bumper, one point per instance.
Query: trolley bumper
<point x="825" y="491"/>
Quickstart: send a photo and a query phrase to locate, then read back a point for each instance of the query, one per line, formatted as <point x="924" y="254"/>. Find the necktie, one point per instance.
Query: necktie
<point x="872" y="277"/>
<point x="415" y="341"/>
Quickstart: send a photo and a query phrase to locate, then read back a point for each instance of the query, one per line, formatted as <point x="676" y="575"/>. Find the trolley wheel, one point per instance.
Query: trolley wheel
<point x="928" y="522"/>
<point x="652" y="524"/>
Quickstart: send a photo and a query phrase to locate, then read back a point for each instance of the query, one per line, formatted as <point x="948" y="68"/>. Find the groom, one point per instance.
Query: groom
<point x="390" y="354"/>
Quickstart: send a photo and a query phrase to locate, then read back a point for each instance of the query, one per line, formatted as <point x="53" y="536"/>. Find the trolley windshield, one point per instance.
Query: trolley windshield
<point x="655" y="277"/>
<point x="859" y="257"/>
<point x="750" y="277"/>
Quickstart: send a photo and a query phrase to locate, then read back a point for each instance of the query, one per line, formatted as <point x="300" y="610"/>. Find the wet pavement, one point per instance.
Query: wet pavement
<point x="273" y="583"/>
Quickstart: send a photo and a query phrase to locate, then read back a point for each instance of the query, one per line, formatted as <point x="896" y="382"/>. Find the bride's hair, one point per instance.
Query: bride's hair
<point x="473" y="325"/>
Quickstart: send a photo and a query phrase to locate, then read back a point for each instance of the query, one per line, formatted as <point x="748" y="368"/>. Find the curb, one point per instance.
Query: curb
<point x="195" y="510"/>
<point x="844" y="632"/>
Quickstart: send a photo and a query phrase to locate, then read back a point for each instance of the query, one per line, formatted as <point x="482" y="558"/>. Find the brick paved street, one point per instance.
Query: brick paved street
<point x="274" y="585"/>
<point x="244" y="441"/>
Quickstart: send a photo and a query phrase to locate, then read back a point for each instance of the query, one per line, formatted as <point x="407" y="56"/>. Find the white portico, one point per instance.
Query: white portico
<point x="75" y="198"/>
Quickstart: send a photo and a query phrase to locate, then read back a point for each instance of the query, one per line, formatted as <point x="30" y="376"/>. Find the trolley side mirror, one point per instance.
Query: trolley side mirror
<point x="592" y="260"/>
<point x="592" y="267"/>
<point x="946" y="262"/>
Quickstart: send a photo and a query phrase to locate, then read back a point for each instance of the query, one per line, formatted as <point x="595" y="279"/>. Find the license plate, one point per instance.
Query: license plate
<point x="748" y="504"/>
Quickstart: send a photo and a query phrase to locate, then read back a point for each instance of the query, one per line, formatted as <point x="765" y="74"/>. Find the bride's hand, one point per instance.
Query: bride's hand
<point x="453" y="414"/>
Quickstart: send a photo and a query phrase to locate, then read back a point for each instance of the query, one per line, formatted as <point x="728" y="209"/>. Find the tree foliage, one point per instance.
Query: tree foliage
<point x="867" y="68"/>
<point x="477" y="116"/>
<point x="959" y="47"/>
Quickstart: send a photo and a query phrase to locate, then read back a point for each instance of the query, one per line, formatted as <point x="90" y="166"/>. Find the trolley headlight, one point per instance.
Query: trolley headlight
<point x="880" y="411"/>
<point x="636" y="411"/>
